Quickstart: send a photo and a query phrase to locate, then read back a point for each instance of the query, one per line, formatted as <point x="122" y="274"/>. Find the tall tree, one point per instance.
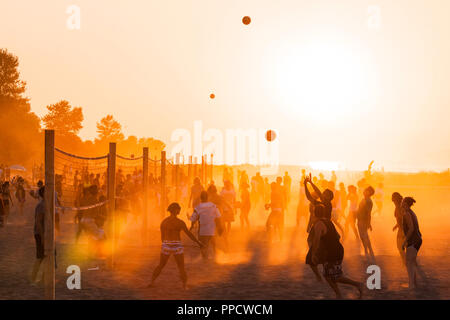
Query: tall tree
<point x="10" y="84"/>
<point x="63" y="118"/>
<point x="109" y="129"/>
<point x="20" y="134"/>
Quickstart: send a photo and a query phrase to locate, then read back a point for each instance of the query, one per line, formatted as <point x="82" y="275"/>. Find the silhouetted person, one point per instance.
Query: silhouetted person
<point x="245" y="206"/>
<point x="326" y="249"/>
<point x="413" y="240"/>
<point x="275" y="220"/>
<point x="196" y="189"/>
<point x="171" y="228"/>
<point x="398" y="214"/>
<point x="7" y="201"/>
<point x="39" y="228"/>
<point x="365" y="220"/>
<point x="208" y="217"/>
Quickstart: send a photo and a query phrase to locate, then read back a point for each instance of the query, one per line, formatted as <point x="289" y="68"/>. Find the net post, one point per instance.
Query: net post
<point x="145" y="193"/>
<point x="163" y="183"/>
<point x="177" y="175"/>
<point x="112" y="198"/>
<point x="190" y="170"/>
<point x="212" y="167"/>
<point x="202" y="170"/>
<point x="49" y="231"/>
<point x="155" y="169"/>
<point x="205" y="170"/>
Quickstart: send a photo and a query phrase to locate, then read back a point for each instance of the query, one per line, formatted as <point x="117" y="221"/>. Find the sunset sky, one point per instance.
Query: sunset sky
<point x="334" y="88"/>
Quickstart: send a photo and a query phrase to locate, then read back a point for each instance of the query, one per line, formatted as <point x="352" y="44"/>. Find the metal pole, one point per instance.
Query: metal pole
<point x="212" y="167"/>
<point x="112" y="198"/>
<point x="145" y="194"/>
<point x="190" y="170"/>
<point x="163" y="183"/>
<point x="49" y="233"/>
<point x="177" y="175"/>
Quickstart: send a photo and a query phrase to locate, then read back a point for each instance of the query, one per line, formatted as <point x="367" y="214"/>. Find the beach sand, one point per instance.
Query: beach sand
<point x="251" y="269"/>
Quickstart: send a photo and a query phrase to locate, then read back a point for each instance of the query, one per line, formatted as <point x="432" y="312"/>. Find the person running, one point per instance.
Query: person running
<point x="171" y="228"/>
<point x="245" y="206"/>
<point x="275" y="220"/>
<point x="39" y="226"/>
<point x="363" y="217"/>
<point x="350" y="221"/>
<point x="398" y="214"/>
<point x="413" y="240"/>
<point x="208" y="216"/>
<point x="327" y="250"/>
<point x="7" y="201"/>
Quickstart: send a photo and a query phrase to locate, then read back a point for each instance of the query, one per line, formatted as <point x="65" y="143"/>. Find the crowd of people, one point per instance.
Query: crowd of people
<point x="331" y="215"/>
<point x="325" y="209"/>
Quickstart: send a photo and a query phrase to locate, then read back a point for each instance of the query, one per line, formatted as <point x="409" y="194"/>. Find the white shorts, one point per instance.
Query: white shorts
<point x="171" y="247"/>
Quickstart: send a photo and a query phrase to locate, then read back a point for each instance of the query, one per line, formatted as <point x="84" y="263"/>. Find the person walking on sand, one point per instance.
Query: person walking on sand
<point x="327" y="250"/>
<point x="398" y="214"/>
<point x="7" y="201"/>
<point x="39" y="225"/>
<point x="208" y="217"/>
<point x="363" y="217"/>
<point x="413" y="240"/>
<point x="171" y="228"/>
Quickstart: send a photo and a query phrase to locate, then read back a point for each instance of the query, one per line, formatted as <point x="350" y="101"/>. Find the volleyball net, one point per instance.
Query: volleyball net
<point x="75" y="176"/>
<point x="99" y="191"/>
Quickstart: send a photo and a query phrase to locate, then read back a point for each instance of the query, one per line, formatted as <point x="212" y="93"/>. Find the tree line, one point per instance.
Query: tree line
<point x="22" y="131"/>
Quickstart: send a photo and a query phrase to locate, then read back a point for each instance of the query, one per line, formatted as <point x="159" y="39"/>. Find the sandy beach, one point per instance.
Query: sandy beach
<point x="251" y="269"/>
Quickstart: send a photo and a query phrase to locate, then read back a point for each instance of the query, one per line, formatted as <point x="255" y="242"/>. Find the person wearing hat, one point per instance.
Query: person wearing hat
<point x="171" y="228"/>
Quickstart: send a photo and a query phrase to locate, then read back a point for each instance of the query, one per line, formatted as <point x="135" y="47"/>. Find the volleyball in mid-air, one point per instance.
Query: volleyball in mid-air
<point x="212" y="95"/>
<point x="246" y="20"/>
<point x="270" y="135"/>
